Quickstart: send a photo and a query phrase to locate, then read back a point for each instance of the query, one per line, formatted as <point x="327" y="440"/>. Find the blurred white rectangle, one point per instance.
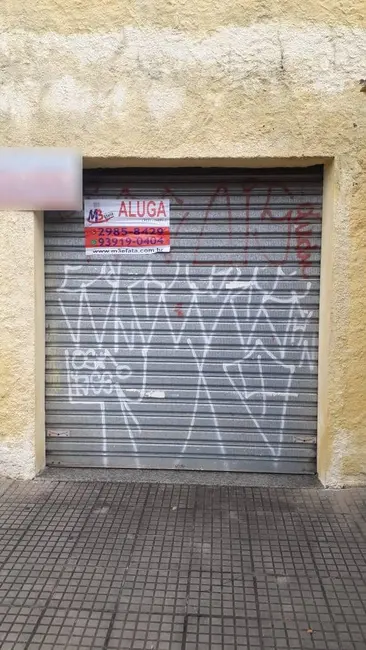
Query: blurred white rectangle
<point x="40" y="178"/>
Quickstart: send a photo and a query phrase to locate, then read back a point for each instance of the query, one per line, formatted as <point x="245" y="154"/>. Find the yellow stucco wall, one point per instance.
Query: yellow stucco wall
<point x="146" y="81"/>
<point x="21" y="345"/>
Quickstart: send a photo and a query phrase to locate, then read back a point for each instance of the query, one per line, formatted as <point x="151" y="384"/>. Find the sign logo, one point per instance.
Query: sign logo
<point x="97" y="216"/>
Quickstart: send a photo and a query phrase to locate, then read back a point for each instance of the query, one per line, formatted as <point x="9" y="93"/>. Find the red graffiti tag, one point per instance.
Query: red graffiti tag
<point x="303" y="233"/>
<point x="297" y="235"/>
<point x="221" y="192"/>
<point x="270" y="216"/>
<point x="247" y="230"/>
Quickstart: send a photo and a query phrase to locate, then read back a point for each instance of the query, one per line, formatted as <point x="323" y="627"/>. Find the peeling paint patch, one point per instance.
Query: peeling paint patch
<point x="17" y="458"/>
<point x="17" y="103"/>
<point x="159" y="394"/>
<point x="117" y="99"/>
<point x="342" y="442"/>
<point x="164" y="101"/>
<point x="80" y="73"/>
<point x="67" y="95"/>
<point x="237" y="284"/>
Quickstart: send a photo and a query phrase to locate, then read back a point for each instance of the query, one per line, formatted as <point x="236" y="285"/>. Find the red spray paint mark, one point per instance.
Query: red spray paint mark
<point x="179" y="203"/>
<point x="247" y="192"/>
<point x="126" y="193"/>
<point x="178" y="308"/>
<point x="221" y="191"/>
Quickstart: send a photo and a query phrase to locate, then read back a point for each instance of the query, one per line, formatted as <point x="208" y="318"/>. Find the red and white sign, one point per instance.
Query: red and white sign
<point x="126" y="226"/>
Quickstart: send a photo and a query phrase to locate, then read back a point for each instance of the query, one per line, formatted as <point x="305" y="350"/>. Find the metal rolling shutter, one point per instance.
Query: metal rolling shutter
<point x="203" y="358"/>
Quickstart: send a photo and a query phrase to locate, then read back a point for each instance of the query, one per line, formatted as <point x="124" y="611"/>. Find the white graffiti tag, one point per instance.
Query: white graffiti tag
<point x="114" y="342"/>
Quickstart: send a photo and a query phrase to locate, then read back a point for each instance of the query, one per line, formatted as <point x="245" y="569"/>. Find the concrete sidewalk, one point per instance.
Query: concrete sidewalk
<point x="178" y="567"/>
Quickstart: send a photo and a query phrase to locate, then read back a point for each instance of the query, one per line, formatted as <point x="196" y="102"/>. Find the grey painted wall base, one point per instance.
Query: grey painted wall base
<point x="181" y="477"/>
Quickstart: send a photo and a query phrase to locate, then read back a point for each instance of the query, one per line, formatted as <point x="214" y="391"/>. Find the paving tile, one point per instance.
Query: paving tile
<point x="109" y="565"/>
<point x="154" y="590"/>
<point x="142" y="631"/>
<point x="63" y="629"/>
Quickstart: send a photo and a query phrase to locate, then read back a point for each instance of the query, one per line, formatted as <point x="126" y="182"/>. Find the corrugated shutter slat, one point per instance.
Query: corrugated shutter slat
<point x="201" y="358"/>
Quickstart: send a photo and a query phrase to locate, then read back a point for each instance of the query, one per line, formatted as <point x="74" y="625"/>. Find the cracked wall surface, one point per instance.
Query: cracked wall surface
<point x="143" y="82"/>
